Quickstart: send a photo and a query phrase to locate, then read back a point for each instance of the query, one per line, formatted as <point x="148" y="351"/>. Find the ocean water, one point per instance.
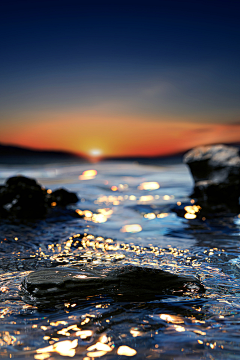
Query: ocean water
<point x="126" y="218"/>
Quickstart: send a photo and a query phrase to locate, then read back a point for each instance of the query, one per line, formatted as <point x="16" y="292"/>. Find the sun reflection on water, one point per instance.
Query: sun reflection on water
<point x="153" y="185"/>
<point x="88" y="175"/>
<point x="133" y="228"/>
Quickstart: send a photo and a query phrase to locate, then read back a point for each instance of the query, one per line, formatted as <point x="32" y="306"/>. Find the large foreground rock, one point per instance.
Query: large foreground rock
<point x="216" y="173"/>
<point x="50" y="286"/>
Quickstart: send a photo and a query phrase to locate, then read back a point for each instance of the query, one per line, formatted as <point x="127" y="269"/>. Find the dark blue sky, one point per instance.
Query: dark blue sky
<point x="167" y="59"/>
<point x="43" y="34"/>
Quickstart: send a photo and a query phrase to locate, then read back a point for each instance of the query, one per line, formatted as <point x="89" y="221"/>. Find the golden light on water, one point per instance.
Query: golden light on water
<point x="132" y="197"/>
<point x="171" y="318"/>
<point x="103" y="339"/>
<point x="42" y="356"/>
<point x="162" y="215"/>
<point x="109" y="199"/>
<point x="99" y="218"/>
<point x="88" y="175"/>
<point x="6" y="338"/>
<point x="146" y="198"/>
<point x="99" y="346"/>
<point x="166" y="197"/>
<point x="135" y="332"/>
<point x="98" y="353"/>
<point x="4" y="289"/>
<point x="179" y="328"/>
<point x="64" y="348"/>
<point x="199" y="332"/>
<point x="88" y="213"/>
<point x="102" y="217"/>
<point x="133" y="228"/>
<point x="83" y="334"/>
<point x="126" y="350"/>
<point x="106" y="212"/>
<point x="151" y="185"/>
<point x="190" y="216"/>
<point x="191" y="211"/>
<point x="150" y="216"/>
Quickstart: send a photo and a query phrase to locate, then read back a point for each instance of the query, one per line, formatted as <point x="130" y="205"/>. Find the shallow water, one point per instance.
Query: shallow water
<point x="126" y="219"/>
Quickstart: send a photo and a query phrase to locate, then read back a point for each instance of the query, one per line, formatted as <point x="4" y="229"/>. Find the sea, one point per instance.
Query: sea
<point x="125" y="216"/>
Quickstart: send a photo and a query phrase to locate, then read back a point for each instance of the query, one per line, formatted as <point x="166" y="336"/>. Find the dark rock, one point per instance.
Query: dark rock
<point x="24" y="198"/>
<point x="216" y="172"/>
<point x="22" y="181"/>
<point x="63" y="197"/>
<point x="48" y="286"/>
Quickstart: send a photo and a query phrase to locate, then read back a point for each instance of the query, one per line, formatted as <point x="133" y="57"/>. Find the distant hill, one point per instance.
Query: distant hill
<point x="16" y="155"/>
<point x="159" y="159"/>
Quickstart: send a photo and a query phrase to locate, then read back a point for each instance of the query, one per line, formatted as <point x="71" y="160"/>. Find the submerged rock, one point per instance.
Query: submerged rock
<point x="216" y="173"/>
<point x="50" y="286"/>
<point x="24" y="198"/>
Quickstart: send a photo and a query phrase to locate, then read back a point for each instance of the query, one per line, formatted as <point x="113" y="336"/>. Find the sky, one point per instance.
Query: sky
<point x="119" y="78"/>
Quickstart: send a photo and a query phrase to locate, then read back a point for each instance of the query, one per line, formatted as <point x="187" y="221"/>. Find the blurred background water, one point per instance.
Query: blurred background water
<point x="127" y="216"/>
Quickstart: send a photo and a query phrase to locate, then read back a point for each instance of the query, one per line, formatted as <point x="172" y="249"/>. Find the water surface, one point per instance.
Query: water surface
<point x="127" y="218"/>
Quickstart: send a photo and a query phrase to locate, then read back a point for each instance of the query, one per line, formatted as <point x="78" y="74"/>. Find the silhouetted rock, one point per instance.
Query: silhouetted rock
<point x="63" y="197"/>
<point x="50" y="286"/>
<point x="24" y="198"/>
<point x="216" y="172"/>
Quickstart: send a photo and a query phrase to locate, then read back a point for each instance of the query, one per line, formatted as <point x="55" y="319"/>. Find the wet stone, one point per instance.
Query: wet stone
<point x="63" y="197"/>
<point x="24" y="198"/>
<point x="216" y="173"/>
<point x="51" y="286"/>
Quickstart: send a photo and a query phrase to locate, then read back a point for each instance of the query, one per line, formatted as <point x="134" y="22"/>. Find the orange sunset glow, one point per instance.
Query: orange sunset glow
<point x="97" y="135"/>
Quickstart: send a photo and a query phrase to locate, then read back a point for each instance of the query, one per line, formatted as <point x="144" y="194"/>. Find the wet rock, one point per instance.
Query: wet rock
<point x="24" y="198"/>
<point x="216" y="173"/>
<point x="48" y="287"/>
<point x="63" y="197"/>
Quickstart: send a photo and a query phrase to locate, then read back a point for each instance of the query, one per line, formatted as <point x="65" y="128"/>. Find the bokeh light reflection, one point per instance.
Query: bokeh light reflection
<point x="88" y="175"/>
<point x="151" y="185"/>
<point x="133" y="228"/>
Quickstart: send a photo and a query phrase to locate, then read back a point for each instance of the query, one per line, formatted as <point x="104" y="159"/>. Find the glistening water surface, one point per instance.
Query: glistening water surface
<point x="127" y="218"/>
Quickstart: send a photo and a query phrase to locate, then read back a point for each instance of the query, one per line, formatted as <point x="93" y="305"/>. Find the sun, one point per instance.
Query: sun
<point x="94" y="155"/>
<point x="95" y="152"/>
